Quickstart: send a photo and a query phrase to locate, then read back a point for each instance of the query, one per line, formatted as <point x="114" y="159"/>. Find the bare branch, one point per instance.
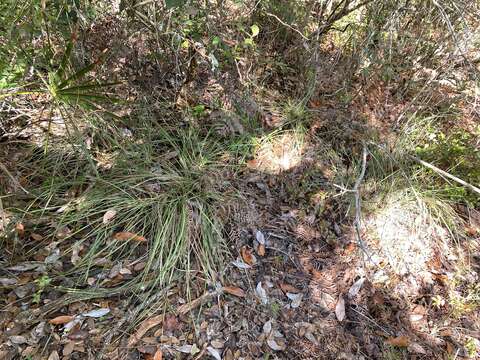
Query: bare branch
<point x="287" y="25"/>
<point x="358" y="213"/>
<point x="446" y="174"/>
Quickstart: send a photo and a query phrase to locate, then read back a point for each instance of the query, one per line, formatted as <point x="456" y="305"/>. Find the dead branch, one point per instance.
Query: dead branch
<point x="358" y="213"/>
<point x="287" y="25"/>
<point x="358" y="203"/>
<point x="446" y="174"/>
<point x="439" y="171"/>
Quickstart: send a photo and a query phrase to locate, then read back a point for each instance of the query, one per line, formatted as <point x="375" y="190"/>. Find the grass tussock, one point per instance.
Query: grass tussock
<point x="165" y="193"/>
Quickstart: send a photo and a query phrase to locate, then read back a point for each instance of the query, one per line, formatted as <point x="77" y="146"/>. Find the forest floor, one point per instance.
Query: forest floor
<point x="328" y="255"/>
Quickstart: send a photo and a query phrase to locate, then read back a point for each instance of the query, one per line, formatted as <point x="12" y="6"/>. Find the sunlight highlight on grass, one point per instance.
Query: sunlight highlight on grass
<point x="279" y="152"/>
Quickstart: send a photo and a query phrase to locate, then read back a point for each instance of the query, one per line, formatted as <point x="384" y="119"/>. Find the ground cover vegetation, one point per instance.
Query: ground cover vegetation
<point x="239" y="179"/>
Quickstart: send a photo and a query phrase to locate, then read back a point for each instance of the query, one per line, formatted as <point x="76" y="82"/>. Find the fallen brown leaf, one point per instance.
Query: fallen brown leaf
<point x="17" y="339"/>
<point x="252" y="164"/>
<point x="158" y="355"/>
<point x="416" y="348"/>
<point x="378" y="299"/>
<point x="247" y="255"/>
<point x="77" y="335"/>
<point x="109" y="215"/>
<point x="446" y="332"/>
<point x="126" y="235"/>
<point x="287" y="288"/>
<point x="233" y="290"/>
<point x="441" y="278"/>
<point x="261" y="250"/>
<point x="147" y="350"/>
<point x="417" y="313"/>
<point x="63" y="233"/>
<point x="62" y="319"/>
<point x="276" y="344"/>
<point x="261" y="293"/>
<point x="20" y="229"/>
<point x="54" y="356"/>
<point x="185" y="308"/>
<point x="472" y="231"/>
<point x="171" y="323"/>
<point x="143" y="328"/>
<point x="296" y="299"/>
<point x="340" y="309"/>
<point x="36" y="237"/>
<point x="27" y="353"/>
<point x="449" y="348"/>
<point x="68" y="348"/>
<point x="350" y="247"/>
<point x="399" y="341"/>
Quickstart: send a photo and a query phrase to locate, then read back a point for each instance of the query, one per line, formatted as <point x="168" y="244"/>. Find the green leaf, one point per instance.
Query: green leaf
<point x="174" y="3"/>
<point x="216" y="40"/>
<point x="79" y="74"/>
<point x="65" y="59"/>
<point x="89" y="86"/>
<point x="255" y="30"/>
<point x="198" y="110"/>
<point x="248" y="41"/>
<point x="92" y="97"/>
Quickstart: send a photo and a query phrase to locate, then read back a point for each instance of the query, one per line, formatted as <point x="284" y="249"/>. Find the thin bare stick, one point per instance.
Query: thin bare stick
<point x="446" y="174"/>
<point x="240" y="77"/>
<point x="434" y="168"/>
<point x="358" y="213"/>
<point x="357" y="223"/>
<point x="15" y="181"/>
<point x="372" y="321"/>
<point x="287" y="25"/>
<point x="3" y="224"/>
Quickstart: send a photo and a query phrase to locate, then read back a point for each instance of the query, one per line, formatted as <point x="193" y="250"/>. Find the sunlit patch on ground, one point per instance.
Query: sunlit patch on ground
<point x="279" y="152"/>
<point x="406" y="236"/>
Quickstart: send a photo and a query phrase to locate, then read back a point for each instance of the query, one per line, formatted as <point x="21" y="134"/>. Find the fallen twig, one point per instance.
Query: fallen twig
<point x="3" y="224"/>
<point x="437" y="170"/>
<point x="12" y="178"/>
<point x="446" y="174"/>
<point x="287" y="25"/>
<point x="358" y="214"/>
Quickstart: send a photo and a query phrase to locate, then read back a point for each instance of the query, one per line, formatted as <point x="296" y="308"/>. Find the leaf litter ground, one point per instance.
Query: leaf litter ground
<point x="297" y="286"/>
